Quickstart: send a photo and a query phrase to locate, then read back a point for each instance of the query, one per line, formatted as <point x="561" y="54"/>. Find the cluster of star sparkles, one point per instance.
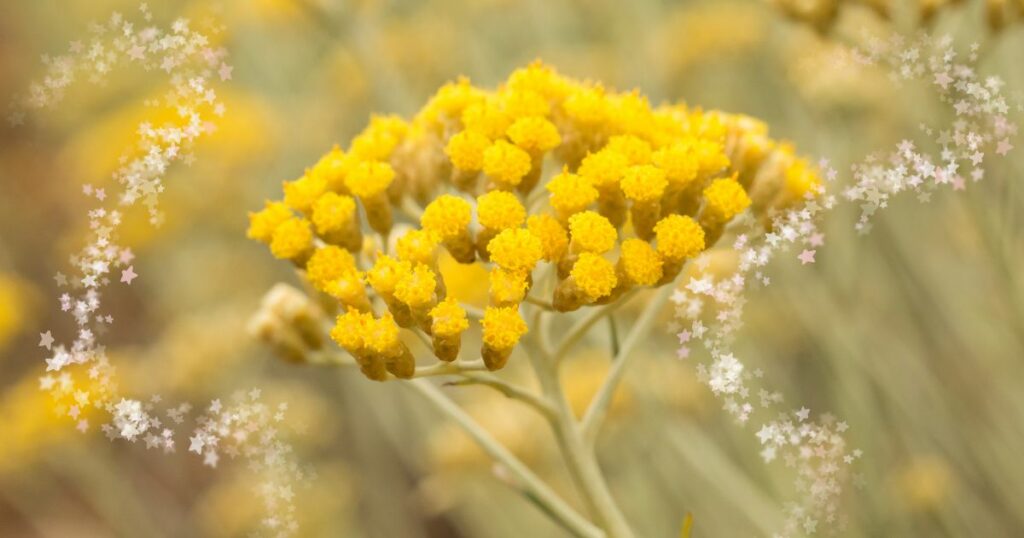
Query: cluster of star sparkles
<point x="79" y="376"/>
<point x="709" y="310"/>
<point x="980" y="127"/>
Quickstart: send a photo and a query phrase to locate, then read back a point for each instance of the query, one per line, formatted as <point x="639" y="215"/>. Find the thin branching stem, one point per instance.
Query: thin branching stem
<point x="530" y="483"/>
<point x="538" y="403"/>
<point x="579" y="457"/>
<point x="583" y="325"/>
<point x="598" y="408"/>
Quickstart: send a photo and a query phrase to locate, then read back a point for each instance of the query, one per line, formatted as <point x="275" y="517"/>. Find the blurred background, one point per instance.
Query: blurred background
<point x="913" y="334"/>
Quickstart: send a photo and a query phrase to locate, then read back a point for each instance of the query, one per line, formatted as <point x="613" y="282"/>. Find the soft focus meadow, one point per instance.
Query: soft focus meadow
<point x="913" y="334"/>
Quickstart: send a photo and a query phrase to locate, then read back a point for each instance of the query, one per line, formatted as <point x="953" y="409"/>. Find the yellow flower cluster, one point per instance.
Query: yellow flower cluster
<point x="634" y="191"/>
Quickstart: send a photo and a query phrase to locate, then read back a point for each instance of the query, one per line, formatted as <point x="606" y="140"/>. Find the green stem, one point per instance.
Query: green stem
<point x="598" y="408"/>
<point x="579" y="330"/>
<point x="515" y="392"/>
<point x="532" y="485"/>
<point x="579" y="457"/>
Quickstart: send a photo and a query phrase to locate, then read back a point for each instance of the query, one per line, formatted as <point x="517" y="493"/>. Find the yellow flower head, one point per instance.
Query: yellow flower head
<point x="417" y="246"/>
<point x="448" y="318"/>
<point x="332" y="168"/>
<point x="502" y="327"/>
<point x="381" y="336"/>
<point x="486" y="118"/>
<point x="328" y="264"/>
<point x="711" y="157"/>
<point x="416" y="287"/>
<point x="466" y="150"/>
<point x="587" y="107"/>
<point x="640" y="262"/>
<point x="644" y="183"/>
<point x="349" y="288"/>
<point x="622" y="159"/>
<point x="801" y="178"/>
<point x="507" y="286"/>
<point x="605" y="168"/>
<point x="301" y="193"/>
<point x="554" y="240"/>
<point x="540" y="79"/>
<point x="570" y="193"/>
<point x="379" y="139"/>
<point x="369" y="178"/>
<point x="518" y="103"/>
<point x="499" y="210"/>
<point x="351" y="329"/>
<point x="506" y="163"/>
<point x="724" y="199"/>
<point x="292" y="239"/>
<point x="636" y="150"/>
<point x="516" y="250"/>
<point x="592" y="232"/>
<point x="333" y="211"/>
<point x="450" y="101"/>
<point x="534" y="134"/>
<point x="678" y="237"/>
<point x="386" y="273"/>
<point x="678" y="162"/>
<point x="262" y="223"/>
<point x="594" y="276"/>
<point x="447" y="216"/>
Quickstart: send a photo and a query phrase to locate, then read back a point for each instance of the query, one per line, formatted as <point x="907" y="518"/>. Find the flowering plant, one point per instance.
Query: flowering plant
<point x="632" y="192"/>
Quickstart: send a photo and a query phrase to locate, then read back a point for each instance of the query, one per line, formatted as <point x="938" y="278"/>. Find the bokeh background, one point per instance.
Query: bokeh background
<point x="913" y="334"/>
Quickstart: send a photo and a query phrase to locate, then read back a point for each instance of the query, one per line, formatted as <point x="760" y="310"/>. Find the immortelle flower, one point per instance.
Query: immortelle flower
<point x="568" y="194"/>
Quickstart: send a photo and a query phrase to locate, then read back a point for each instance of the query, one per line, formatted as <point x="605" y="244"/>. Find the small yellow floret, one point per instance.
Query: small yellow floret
<point x="447" y="216"/>
<point x="332" y="168"/>
<point x="570" y="193"/>
<point x="605" y="168"/>
<point x="516" y="250"/>
<point x="417" y="246"/>
<point x="349" y="288"/>
<point x="301" y="193"/>
<point x="291" y="239"/>
<point x="386" y="273"/>
<point x="351" y="329"/>
<point x="333" y="211"/>
<point x="381" y="336"/>
<point x="678" y="162"/>
<point x="448" y="318"/>
<point x="416" y="287"/>
<point x="587" y="107"/>
<point x="594" y="276"/>
<point x="724" y="199"/>
<point x="369" y="178"/>
<point x="499" y="210"/>
<point x="506" y="163"/>
<point x="502" y="327"/>
<point x="678" y="237"/>
<point x="644" y="183"/>
<point x="507" y="286"/>
<point x="640" y="262"/>
<point x="327" y="264"/>
<point x="592" y="232"/>
<point x="801" y="178"/>
<point x="534" y="134"/>
<point x="262" y="223"/>
<point x="711" y="157"/>
<point x="379" y="139"/>
<point x="466" y="150"/>
<point x="553" y="238"/>
<point x="486" y="118"/>
<point x="519" y="103"/>
<point x="635" y="149"/>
